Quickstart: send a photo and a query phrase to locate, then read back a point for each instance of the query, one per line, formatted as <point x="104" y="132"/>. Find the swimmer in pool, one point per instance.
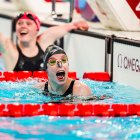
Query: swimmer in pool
<point x="27" y="53"/>
<point x="59" y="84"/>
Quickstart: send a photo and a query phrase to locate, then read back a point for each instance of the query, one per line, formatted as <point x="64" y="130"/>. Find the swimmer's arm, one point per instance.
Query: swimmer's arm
<point x="6" y="44"/>
<point x="49" y="36"/>
<point x="9" y="52"/>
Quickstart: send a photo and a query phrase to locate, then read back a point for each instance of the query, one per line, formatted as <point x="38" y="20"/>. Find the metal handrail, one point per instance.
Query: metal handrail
<point x="58" y="18"/>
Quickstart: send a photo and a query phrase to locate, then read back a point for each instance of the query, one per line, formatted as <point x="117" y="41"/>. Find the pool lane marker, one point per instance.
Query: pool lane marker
<point x="42" y="75"/>
<point x="68" y="109"/>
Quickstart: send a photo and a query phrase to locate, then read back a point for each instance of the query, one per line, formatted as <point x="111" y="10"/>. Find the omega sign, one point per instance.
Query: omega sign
<point x="125" y="62"/>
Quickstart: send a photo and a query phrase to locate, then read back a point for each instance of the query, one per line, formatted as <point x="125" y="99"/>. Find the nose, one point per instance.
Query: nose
<point x="59" y="64"/>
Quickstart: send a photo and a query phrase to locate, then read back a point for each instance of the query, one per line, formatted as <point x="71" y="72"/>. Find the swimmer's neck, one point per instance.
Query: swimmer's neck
<point x="59" y="89"/>
<point x="27" y="44"/>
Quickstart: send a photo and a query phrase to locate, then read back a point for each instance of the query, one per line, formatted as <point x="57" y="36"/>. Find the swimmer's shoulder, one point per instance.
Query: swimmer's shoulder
<point x="81" y="89"/>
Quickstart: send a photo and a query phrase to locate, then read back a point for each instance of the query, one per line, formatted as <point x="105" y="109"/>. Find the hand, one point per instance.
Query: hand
<point x="81" y="25"/>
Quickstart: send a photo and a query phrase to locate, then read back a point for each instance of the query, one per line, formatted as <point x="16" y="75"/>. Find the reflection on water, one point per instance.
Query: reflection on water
<point x="70" y="128"/>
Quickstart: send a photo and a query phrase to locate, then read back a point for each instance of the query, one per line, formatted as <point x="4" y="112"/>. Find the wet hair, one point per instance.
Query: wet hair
<point x="51" y="50"/>
<point x="27" y="15"/>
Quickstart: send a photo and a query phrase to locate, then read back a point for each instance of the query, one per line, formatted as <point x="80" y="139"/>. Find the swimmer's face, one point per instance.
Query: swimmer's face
<point x="57" y="68"/>
<point x="26" y="30"/>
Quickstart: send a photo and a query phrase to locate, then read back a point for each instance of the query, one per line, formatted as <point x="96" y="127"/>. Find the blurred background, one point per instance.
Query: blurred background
<point x="120" y="15"/>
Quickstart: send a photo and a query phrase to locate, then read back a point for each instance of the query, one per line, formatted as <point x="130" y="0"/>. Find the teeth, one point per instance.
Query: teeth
<point x="23" y="31"/>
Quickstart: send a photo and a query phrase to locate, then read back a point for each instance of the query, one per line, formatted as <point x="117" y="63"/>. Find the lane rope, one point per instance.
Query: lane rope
<point x="68" y="109"/>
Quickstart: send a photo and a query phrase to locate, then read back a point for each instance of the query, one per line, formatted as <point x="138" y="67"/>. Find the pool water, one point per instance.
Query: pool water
<point x="70" y="128"/>
<point x="26" y="92"/>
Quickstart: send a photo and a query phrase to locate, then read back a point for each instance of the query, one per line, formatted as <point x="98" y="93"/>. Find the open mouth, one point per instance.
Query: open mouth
<point x="23" y="33"/>
<point x="60" y="75"/>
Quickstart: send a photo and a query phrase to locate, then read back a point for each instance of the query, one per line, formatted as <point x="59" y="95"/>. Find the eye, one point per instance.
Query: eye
<point x="64" y="60"/>
<point x="52" y="62"/>
<point x="19" y="23"/>
<point x="29" y="23"/>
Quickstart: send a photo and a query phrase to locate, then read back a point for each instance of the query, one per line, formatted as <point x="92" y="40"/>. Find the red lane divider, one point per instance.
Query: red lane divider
<point x="10" y="75"/>
<point x="98" y="76"/>
<point x="67" y="109"/>
<point x="32" y="110"/>
<point x="72" y="75"/>
<point x="25" y="75"/>
<point x="50" y="109"/>
<point x="42" y="75"/>
<point x="2" y="107"/>
<point x="15" y="110"/>
<point x="138" y="109"/>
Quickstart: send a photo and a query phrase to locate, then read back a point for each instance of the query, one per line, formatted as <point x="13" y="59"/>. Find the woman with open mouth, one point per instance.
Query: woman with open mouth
<point x="26" y="54"/>
<point x="59" y="84"/>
